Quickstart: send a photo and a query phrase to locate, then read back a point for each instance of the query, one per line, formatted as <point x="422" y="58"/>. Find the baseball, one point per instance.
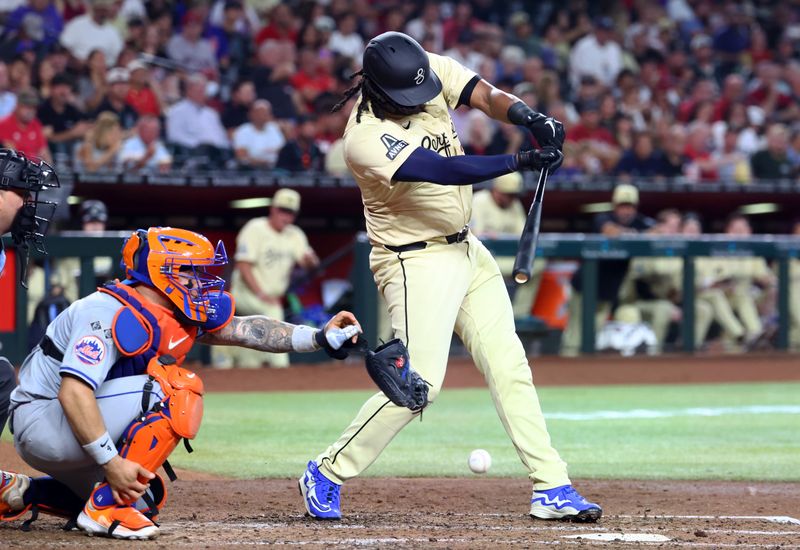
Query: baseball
<point x="480" y="461"/>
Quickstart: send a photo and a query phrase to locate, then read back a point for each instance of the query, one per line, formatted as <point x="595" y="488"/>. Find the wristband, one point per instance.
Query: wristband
<point x="303" y="339"/>
<point x="522" y="115"/>
<point x="102" y="449"/>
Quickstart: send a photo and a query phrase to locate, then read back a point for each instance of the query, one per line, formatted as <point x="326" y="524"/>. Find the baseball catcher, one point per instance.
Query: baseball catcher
<point x="103" y="399"/>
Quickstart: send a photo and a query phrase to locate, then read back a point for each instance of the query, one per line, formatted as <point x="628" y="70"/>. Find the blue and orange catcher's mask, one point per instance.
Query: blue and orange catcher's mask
<point x="176" y="262"/>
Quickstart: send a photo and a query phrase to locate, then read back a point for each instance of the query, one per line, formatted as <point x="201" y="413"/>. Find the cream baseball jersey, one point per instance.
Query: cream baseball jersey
<point x="399" y="213"/>
<point x="489" y="218"/>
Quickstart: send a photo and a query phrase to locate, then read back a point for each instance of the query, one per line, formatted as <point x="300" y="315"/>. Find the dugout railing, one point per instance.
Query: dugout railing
<point x="589" y="249"/>
<point x="593" y="249"/>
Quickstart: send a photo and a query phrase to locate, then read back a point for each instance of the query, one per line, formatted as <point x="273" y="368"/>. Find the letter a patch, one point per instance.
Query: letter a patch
<point x="393" y="146"/>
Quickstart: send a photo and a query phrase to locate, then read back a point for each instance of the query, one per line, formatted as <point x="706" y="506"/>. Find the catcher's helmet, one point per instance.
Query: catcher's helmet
<point x="94" y="211"/>
<point x="400" y="68"/>
<point x="175" y="262"/>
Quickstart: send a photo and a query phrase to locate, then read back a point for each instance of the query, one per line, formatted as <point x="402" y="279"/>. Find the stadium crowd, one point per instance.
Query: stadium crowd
<point x="700" y="89"/>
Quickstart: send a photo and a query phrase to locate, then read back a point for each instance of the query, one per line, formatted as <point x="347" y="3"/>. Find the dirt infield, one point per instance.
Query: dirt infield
<point x="209" y="512"/>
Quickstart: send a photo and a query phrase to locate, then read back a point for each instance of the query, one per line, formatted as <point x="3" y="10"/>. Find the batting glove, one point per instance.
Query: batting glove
<point x="537" y="159"/>
<point x="548" y="131"/>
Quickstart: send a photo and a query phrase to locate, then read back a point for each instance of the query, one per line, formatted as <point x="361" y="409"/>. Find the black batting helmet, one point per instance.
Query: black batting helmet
<point x="399" y="67"/>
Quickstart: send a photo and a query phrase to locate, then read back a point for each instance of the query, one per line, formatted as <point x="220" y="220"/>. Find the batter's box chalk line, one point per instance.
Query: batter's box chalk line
<point x="621" y="537"/>
<point x="786" y="520"/>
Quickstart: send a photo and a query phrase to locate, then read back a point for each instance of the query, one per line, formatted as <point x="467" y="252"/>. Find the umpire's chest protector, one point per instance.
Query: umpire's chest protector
<point x="142" y="330"/>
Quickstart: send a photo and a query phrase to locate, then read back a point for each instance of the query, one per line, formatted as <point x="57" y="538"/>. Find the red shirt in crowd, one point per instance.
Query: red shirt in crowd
<point x="320" y="82"/>
<point x="579" y="132"/>
<point x="27" y="139"/>
<point x="143" y="101"/>
<point x="760" y="94"/>
<point x="273" y="32"/>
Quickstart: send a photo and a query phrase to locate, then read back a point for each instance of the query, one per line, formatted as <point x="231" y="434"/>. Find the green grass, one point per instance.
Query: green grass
<point x="249" y="435"/>
<point x="272" y="435"/>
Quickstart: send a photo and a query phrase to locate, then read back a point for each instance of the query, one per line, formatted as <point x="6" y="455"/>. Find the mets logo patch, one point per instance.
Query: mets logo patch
<point x="90" y="350"/>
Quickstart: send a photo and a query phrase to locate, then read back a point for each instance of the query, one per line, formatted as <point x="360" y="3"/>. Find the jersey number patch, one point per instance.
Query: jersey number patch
<point x="393" y="146"/>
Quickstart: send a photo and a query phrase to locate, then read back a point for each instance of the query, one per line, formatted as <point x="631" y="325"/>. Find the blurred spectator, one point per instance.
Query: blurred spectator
<point x="143" y="92"/>
<point x="596" y="142"/>
<point x="92" y="84"/>
<point x="704" y="90"/>
<point x="20" y="75"/>
<point x="8" y="100"/>
<point x="345" y="40"/>
<point x="21" y="130"/>
<point x="39" y="21"/>
<point x="732" y="164"/>
<point x="190" y="49"/>
<point x="460" y="21"/>
<point x="246" y="17"/>
<point x="674" y="146"/>
<point x="521" y="33"/>
<point x="63" y="124"/>
<point x="479" y="134"/>
<point x="237" y="109"/>
<point x="43" y="77"/>
<point x="313" y="76"/>
<point x="703" y="63"/>
<point x="258" y="142"/>
<point x="428" y="24"/>
<point x="101" y="145"/>
<point x="464" y="51"/>
<point x="773" y="161"/>
<point x="275" y="66"/>
<point x="191" y="122"/>
<point x="597" y="54"/>
<point x="281" y="27"/>
<point x="642" y="160"/>
<point x="118" y="81"/>
<point x="301" y="153"/>
<point x="144" y="151"/>
<point x="699" y="147"/>
<point x="509" y="69"/>
<point x="231" y="43"/>
<point x="773" y="95"/>
<point x="93" y="31"/>
<point x="732" y="93"/>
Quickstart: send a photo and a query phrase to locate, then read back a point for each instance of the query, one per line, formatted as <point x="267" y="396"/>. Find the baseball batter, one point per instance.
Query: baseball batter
<point x="26" y="218"/>
<point x="436" y="277"/>
<point x="103" y="401"/>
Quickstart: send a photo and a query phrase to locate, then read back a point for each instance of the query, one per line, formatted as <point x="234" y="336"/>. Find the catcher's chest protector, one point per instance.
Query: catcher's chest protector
<point x="143" y="330"/>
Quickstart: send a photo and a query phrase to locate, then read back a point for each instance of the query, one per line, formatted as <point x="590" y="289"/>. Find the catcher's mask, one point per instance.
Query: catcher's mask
<point x="176" y="262"/>
<point x="28" y="177"/>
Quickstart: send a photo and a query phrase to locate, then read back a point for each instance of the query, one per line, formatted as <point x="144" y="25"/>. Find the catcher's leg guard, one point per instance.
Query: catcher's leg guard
<point x="148" y="441"/>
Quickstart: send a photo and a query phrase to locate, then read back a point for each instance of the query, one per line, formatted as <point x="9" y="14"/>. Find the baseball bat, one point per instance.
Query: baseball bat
<point x="523" y="263"/>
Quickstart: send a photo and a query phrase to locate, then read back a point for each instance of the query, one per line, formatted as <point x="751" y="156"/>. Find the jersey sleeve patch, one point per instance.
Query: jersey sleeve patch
<point x="393" y="146"/>
<point x="90" y="350"/>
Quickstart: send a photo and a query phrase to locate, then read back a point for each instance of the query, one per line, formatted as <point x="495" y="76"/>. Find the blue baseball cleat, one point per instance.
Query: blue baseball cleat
<point x="564" y="503"/>
<point x="320" y="495"/>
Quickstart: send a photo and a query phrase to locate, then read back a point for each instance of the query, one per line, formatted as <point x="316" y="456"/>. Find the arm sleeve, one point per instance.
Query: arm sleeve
<point x="425" y="165"/>
<point x="454" y="77"/>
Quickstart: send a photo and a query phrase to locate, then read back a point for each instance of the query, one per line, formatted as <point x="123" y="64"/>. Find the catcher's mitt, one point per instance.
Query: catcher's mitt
<point x="390" y="368"/>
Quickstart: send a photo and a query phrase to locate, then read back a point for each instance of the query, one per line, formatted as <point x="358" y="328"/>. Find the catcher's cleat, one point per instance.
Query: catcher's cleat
<point x="564" y="503"/>
<point x="102" y="516"/>
<point x="12" y="489"/>
<point x="320" y="495"/>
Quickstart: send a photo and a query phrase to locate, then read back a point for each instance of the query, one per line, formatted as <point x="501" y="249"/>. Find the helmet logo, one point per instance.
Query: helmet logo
<point x="420" y="76"/>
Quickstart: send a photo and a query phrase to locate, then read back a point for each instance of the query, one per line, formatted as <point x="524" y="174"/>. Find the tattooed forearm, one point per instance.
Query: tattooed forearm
<point x="254" y="332"/>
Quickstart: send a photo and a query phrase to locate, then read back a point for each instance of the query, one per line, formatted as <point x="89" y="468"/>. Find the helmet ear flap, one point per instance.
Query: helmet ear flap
<point x="131" y="250"/>
<point x="141" y="237"/>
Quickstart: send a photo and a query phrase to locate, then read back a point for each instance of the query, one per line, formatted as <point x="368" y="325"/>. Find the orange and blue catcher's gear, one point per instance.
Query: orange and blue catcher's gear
<point x="176" y="262"/>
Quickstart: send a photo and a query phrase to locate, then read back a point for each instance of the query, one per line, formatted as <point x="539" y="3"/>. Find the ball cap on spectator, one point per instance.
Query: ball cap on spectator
<point x="625" y="194"/>
<point x="324" y="23"/>
<point x="136" y="65"/>
<point x="94" y="211"/>
<point x="28" y="97"/>
<point x="118" y="74"/>
<point x="510" y="184"/>
<point x="604" y="22"/>
<point x="288" y="199"/>
<point x="701" y="41"/>
<point x="400" y="68"/>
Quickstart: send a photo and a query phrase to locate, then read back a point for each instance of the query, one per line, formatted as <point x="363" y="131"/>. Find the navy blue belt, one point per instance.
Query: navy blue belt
<point x="459" y="237"/>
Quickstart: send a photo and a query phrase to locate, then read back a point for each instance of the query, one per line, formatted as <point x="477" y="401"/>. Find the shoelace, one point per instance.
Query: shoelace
<point x="572" y="494"/>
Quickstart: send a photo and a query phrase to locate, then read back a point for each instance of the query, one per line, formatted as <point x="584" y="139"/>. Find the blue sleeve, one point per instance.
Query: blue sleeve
<point x="425" y="165"/>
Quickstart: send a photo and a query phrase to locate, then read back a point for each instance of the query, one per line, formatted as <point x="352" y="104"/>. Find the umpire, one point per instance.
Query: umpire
<point x="26" y="217"/>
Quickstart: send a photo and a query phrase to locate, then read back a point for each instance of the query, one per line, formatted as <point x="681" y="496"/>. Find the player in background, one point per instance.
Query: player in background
<point x="103" y="401"/>
<point x="26" y="217"/>
<point x="416" y="185"/>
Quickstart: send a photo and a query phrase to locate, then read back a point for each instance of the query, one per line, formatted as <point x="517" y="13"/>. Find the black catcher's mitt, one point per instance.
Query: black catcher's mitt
<point x="390" y="369"/>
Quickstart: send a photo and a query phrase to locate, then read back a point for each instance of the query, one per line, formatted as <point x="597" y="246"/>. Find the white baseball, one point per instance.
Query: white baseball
<point x="480" y="461"/>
